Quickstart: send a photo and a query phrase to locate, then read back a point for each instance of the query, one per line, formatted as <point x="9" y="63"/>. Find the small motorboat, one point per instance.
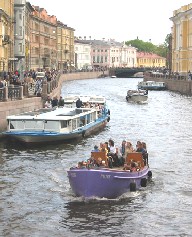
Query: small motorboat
<point x="88" y="180"/>
<point x="137" y="96"/>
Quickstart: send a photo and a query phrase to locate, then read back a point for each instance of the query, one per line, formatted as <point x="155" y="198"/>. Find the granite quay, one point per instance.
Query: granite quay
<point x="181" y="84"/>
<point x="24" y="101"/>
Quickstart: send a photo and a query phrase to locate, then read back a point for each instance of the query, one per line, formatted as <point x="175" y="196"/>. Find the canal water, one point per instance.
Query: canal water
<point x="35" y="196"/>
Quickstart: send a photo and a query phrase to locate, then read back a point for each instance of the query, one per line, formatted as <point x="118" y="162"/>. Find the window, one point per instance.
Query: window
<point x="97" y="59"/>
<point x="106" y="59"/>
<point x="63" y="124"/>
<point x="20" y="31"/>
<point x="20" y="16"/>
<point x="36" y="26"/>
<point x="20" y="47"/>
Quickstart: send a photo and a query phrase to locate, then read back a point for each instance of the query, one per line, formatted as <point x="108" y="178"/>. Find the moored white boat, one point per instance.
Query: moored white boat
<point x="152" y="85"/>
<point x="57" y="124"/>
<point x="137" y="96"/>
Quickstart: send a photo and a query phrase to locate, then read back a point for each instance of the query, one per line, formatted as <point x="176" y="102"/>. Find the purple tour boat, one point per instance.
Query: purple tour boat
<point x="105" y="182"/>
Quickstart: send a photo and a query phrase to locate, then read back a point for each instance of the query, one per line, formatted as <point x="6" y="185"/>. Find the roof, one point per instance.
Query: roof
<point x="148" y="55"/>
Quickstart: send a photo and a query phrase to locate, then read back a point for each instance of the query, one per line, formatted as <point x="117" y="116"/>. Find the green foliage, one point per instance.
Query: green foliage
<point x="148" y="47"/>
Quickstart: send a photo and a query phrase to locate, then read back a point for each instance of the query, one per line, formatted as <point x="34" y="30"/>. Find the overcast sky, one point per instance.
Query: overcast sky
<point x="121" y="20"/>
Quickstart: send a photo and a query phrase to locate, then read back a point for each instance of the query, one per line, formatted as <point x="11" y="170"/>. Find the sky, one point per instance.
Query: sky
<point x="121" y="20"/>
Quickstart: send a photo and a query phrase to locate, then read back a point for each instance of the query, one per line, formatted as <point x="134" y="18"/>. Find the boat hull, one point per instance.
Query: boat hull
<point x="105" y="183"/>
<point x="44" y="137"/>
<point x="155" y="88"/>
<point x="137" y="98"/>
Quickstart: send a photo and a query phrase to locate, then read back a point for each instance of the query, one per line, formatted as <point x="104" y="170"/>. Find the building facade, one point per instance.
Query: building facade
<point x="110" y="53"/>
<point x="182" y="40"/>
<point x="150" y="60"/>
<point x="43" y="45"/>
<point x="65" y="47"/>
<point x="6" y="36"/>
<point x="82" y="55"/>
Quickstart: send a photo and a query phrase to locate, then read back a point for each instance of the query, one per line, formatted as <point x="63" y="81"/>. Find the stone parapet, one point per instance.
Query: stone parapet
<point x="174" y="84"/>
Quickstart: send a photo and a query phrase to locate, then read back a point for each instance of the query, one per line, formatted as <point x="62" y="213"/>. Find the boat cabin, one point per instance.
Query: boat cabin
<point x="62" y="120"/>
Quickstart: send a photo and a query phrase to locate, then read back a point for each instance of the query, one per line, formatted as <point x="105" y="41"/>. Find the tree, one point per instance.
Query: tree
<point x="148" y="47"/>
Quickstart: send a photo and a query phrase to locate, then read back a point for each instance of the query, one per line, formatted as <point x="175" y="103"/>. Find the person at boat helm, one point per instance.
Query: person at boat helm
<point x="79" y="103"/>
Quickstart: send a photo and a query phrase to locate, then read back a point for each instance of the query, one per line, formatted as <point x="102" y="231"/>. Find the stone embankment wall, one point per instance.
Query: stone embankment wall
<point x="74" y="76"/>
<point x="182" y="86"/>
<point x="33" y="103"/>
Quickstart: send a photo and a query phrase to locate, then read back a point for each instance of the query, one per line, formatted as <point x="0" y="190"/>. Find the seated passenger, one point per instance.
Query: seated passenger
<point x="96" y="148"/>
<point x="141" y="149"/>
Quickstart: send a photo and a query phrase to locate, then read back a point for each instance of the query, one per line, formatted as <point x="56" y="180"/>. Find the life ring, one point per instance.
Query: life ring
<point x="143" y="182"/>
<point x="83" y="133"/>
<point x="108" y="119"/>
<point x="149" y="174"/>
<point x="132" y="187"/>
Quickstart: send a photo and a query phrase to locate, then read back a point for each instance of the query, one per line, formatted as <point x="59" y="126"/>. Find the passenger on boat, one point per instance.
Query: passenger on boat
<point x="61" y="102"/>
<point x="140" y="148"/>
<point x="120" y="161"/>
<point x="79" y="103"/>
<point x="113" y="153"/>
<point x="103" y="148"/>
<point x="48" y="103"/>
<point x="133" y="166"/>
<point x="107" y="147"/>
<point x="128" y="148"/>
<point x="54" y="101"/>
<point x="96" y="148"/>
<point x="145" y="155"/>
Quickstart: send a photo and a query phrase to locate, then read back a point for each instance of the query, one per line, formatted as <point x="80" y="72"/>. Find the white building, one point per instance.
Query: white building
<point x="82" y="55"/>
<point x="106" y="54"/>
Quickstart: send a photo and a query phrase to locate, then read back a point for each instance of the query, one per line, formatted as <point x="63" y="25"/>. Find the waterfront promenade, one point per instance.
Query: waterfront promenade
<point x="25" y="103"/>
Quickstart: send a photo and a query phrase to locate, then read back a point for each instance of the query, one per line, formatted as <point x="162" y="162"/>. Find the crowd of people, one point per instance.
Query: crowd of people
<point x="116" y="155"/>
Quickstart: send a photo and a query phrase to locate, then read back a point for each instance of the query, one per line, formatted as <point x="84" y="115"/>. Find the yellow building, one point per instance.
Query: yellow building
<point x="6" y="35"/>
<point x="150" y="60"/>
<point x="65" y="46"/>
<point x="182" y="40"/>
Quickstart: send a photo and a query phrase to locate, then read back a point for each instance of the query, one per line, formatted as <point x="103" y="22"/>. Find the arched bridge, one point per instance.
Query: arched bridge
<point x="126" y="72"/>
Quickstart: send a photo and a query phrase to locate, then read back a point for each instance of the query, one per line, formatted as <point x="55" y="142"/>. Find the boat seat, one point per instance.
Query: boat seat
<point x="135" y="157"/>
<point x="99" y="154"/>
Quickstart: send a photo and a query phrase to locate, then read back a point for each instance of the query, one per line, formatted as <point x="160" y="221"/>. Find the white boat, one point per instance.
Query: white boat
<point x="113" y="76"/>
<point x="152" y="85"/>
<point x="137" y="96"/>
<point x="57" y="124"/>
